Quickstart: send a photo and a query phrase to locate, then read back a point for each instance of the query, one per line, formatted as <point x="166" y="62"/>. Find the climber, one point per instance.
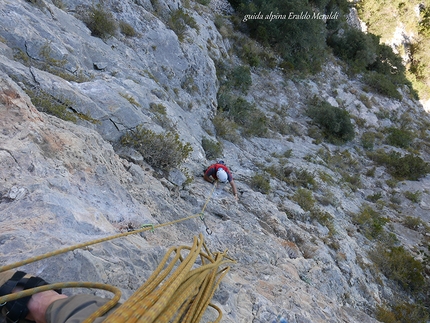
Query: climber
<point x="220" y="172"/>
<point x="44" y="307"/>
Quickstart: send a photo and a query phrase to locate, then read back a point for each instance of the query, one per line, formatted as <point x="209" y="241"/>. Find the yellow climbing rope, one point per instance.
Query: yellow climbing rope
<point x="184" y="290"/>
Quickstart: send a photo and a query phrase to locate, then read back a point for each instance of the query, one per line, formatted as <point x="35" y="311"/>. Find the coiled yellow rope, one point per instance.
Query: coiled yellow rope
<point x="182" y="297"/>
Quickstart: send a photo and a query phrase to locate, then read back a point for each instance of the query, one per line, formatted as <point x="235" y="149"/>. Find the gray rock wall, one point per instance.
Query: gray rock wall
<point x="63" y="183"/>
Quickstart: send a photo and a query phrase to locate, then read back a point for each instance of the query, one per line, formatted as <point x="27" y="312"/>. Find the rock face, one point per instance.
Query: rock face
<point x="63" y="183"/>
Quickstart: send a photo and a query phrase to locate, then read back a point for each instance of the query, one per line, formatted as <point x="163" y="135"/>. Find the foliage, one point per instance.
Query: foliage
<point x="305" y="179"/>
<point x="375" y="197"/>
<point x="47" y="62"/>
<point x="179" y="21"/>
<point x="101" y="22"/>
<point x="253" y="121"/>
<point x="383" y="17"/>
<point x="398" y="265"/>
<point x="280" y="172"/>
<point x="324" y="218"/>
<point x="38" y="3"/>
<point x="300" y="42"/>
<point x="240" y="78"/>
<point x="127" y="29"/>
<point x="213" y="149"/>
<point x="335" y="122"/>
<point x="412" y="223"/>
<point x="399" y="137"/>
<point x="402" y="312"/>
<point x="304" y="198"/>
<point x="406" y="313"/>
<point x="382" y="84"/>
<point x="384" y="70"/>
<point x="164" y="151"/>
<point x="385" y="315"/>
<point x="130" y="99"/>
<point x="59" y="4"/>
<point x="370" y="222"/>
<point x="407" y="167"/>
<point x="260" y="183"/>
<point x="355" y="47"/>
<point x="226" y="128"/>
<point x="414" y="197"/>
<point x="368" y="140"/>
<point x="54" y="106"/>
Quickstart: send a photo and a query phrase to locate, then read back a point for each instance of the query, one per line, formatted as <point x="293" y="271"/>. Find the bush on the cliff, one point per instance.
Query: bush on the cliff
<point x="407" y="167"/>
<point x="253" y="121"/>
<point x="335" y="122"/>
<point x="399" y="137"/>
<point x="213" y="149"/>
<point x="163" y="151"/>
<point x="261" y="183"/>
<point x="400" y="266"/>
<point x="178" y="22"/>
<point x="100" y="22"/>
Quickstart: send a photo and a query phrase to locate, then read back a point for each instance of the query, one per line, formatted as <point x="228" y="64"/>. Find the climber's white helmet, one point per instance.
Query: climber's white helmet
<point x="222" y="175"/>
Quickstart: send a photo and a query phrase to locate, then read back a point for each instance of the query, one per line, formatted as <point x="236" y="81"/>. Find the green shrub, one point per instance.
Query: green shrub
<point x="304" y="198"/>
<point x="408" y="167"/>
<point x="127" y="29"/>
<point x="280" y="172"/>
<point x="226" y="128"/>
<point x="38" y="3"/>
<point x="382" y="85"/>
<point x="355" y="47"/>
<point x="335" y="122"/>
<point x="368" y="140"/>
<point x="412" y="223"/>
<point x="323" y="218"/>
<point x="385" y="315"/>
<point x="178" y="22"/>
<point x="414" y="197"/>
<point x="402" y="312"/>
<point x="305" y="179"/>
<point x="240" y="78"/>
<point x="59" y="4"/>
<point x="375" y="197"/>
<point x="54" y="106"/>
<point x="260" y="183"/>
<point x="354" y="180"/>
<point x="279" y="125"/>
<point x="213" y="149"/>
<point x="370" y="222"/>
<point x="100" y="22"/>
<point x="300" y="42"/>
<point x="130" y="99"/>
<point x="398" y="265"/>
<point x="399" y="137"/>
<point x="163" y="151"/>
<point x="407" y="312"/>
<point x="158" y="108"/>
<point x="253" y="121"/>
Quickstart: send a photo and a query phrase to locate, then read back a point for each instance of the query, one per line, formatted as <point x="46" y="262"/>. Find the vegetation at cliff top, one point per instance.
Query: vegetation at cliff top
<point x="304" y="44"/>
<point x="414" y="17"/>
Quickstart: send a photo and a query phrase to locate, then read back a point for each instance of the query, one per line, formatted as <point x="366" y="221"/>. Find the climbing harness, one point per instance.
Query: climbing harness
<point x="177" y="291"/>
